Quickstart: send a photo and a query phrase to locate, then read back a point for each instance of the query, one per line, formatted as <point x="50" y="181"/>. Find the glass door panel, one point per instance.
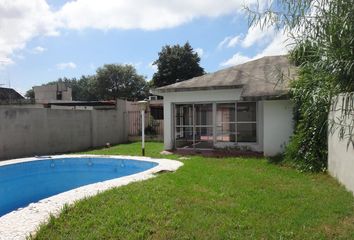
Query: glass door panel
<point x="194" y="126"/>
<point x="203" y="136"/>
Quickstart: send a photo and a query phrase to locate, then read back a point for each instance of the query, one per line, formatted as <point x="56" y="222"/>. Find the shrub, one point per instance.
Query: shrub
<point x="311" y="94"/>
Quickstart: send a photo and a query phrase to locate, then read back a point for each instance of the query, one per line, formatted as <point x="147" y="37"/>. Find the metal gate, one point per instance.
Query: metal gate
<point x="153" y="129"/>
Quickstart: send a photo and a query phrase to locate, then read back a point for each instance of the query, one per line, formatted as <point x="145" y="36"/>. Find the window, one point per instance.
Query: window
<point x="194" y="124"/>
<point x="59" y="95"/>
<point x="236" y="122"/>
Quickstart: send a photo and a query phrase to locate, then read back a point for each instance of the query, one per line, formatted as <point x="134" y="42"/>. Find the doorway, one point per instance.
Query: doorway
<point x="194" y="126"/>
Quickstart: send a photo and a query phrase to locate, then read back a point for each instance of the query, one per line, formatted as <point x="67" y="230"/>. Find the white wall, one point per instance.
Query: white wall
<point x="340" y="154"/>
<point x="189" y="97"/>
<point x="277" y="125"/>
<point x="38" y="131"/>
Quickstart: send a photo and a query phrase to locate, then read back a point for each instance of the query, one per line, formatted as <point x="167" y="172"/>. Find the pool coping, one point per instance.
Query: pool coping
<point x="19" y="224"/>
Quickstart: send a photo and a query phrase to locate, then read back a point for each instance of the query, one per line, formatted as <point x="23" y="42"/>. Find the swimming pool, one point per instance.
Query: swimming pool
<point x="30" y="181"/>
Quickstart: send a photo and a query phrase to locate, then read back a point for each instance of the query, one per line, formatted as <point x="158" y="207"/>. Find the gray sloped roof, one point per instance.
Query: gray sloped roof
<point x="9" y="94"/>
<point x="264" y="78"/>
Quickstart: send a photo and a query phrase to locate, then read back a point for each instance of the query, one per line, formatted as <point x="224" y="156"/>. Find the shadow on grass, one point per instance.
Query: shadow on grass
<point x="277" y="159"/>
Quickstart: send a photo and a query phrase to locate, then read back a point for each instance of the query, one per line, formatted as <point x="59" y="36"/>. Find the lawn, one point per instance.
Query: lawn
<point x="211" y="198"/>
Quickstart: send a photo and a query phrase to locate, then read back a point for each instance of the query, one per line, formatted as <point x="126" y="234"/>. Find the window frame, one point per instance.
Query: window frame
<point x="236" y="123"/>
<point x="215" y="122"/>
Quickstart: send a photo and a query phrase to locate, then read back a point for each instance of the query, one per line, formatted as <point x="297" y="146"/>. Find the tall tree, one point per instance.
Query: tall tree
<point x="120" y="81"/>
<point x="176" y="63"/>
<point x="85" y="89"/>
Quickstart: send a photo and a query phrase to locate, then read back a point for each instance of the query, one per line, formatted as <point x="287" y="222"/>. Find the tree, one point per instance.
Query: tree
<point x="324" y="27"/>
<point x="175" y="64"/>
<point x="120" y="81"/>
<point x="30" y="94"/>
<point x="110" y="82"/>
<point x="85" y="89"/>
<point x="322" y="31"/>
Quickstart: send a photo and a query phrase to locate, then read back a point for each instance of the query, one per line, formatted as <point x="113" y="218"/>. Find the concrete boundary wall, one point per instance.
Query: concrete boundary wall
<point x="39" y="131"/>
<point x="341" y="150"/>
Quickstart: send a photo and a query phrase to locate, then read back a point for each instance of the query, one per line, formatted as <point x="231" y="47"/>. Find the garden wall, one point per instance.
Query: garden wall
<point x="341" y="150"/>
<point x="38" y="131"/>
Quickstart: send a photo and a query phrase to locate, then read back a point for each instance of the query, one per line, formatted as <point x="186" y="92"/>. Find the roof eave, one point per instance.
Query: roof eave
<point x="190" y="89"/>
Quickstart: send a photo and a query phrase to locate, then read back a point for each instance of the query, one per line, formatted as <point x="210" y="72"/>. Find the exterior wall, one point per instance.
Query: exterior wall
<point x="38" y="131"/>
<point x="190" y="97"/>
<point x="274" y="118"/>
<point x="340" y="153"/>
<point x="277" y="125"/>
<point x="45" y="94"/>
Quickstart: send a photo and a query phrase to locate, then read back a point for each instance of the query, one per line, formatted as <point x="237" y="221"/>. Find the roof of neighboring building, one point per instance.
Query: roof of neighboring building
<point x="264" y="78"/>
<point x="9" y="94"/>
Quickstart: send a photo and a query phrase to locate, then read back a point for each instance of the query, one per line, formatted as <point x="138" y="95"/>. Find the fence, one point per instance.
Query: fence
<point x="341" y="140"/>
<point x="38" y="131"/>
<point x="153" y="127"/>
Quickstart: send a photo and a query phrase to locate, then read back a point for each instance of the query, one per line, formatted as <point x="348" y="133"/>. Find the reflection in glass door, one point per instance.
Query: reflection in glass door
<point x="194" y="125"/>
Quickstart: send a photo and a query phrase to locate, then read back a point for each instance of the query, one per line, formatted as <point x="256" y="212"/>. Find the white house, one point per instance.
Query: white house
<point x="243" y="106"/>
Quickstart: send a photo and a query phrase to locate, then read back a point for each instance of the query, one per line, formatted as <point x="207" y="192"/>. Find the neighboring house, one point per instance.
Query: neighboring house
<point x="244" y="106"/>
<point x="9" y="95"/>
<point x="52" y="93"/>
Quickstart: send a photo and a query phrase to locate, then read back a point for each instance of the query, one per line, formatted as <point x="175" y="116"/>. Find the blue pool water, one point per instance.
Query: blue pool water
<point x="24" y="183"/>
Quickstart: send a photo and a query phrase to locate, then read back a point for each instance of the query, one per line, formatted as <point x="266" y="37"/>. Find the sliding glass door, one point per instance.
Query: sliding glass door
<point x="194" y="125"/>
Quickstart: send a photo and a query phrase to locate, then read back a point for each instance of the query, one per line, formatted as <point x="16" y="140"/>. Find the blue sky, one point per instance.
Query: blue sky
<point x="44" y="40"/>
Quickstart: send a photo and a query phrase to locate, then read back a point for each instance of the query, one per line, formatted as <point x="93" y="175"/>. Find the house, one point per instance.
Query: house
<point x="9" y="95"/>
<point x="245" y="106"/>
<point x="52" y="93"/>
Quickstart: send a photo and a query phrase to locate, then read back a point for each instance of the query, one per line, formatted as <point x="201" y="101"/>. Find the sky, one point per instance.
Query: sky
<point x="43" y="40"/>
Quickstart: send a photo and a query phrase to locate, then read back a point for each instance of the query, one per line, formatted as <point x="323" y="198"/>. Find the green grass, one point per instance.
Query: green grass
<point x="208" y="198"/>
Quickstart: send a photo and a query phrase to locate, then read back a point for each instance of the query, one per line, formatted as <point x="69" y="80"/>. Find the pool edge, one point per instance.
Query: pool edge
<point x="21" y="223"/>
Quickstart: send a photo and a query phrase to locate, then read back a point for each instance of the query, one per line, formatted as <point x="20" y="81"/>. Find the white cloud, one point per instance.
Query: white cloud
<point x="224" y="42"/>
<point x="22" y="20"/>
<point x="38" y="50"/>
<point x="66" y="65"/>
<point x="4" y="61"/>
<point x="279" y="45"/>
<point x="230" y="41"/>
<point x="233" y="41"/>
<point x="200" y="52"/>
<point x="256" y="34"/>
<point x="137" y="14"/>
<point x="235" y="60"/>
